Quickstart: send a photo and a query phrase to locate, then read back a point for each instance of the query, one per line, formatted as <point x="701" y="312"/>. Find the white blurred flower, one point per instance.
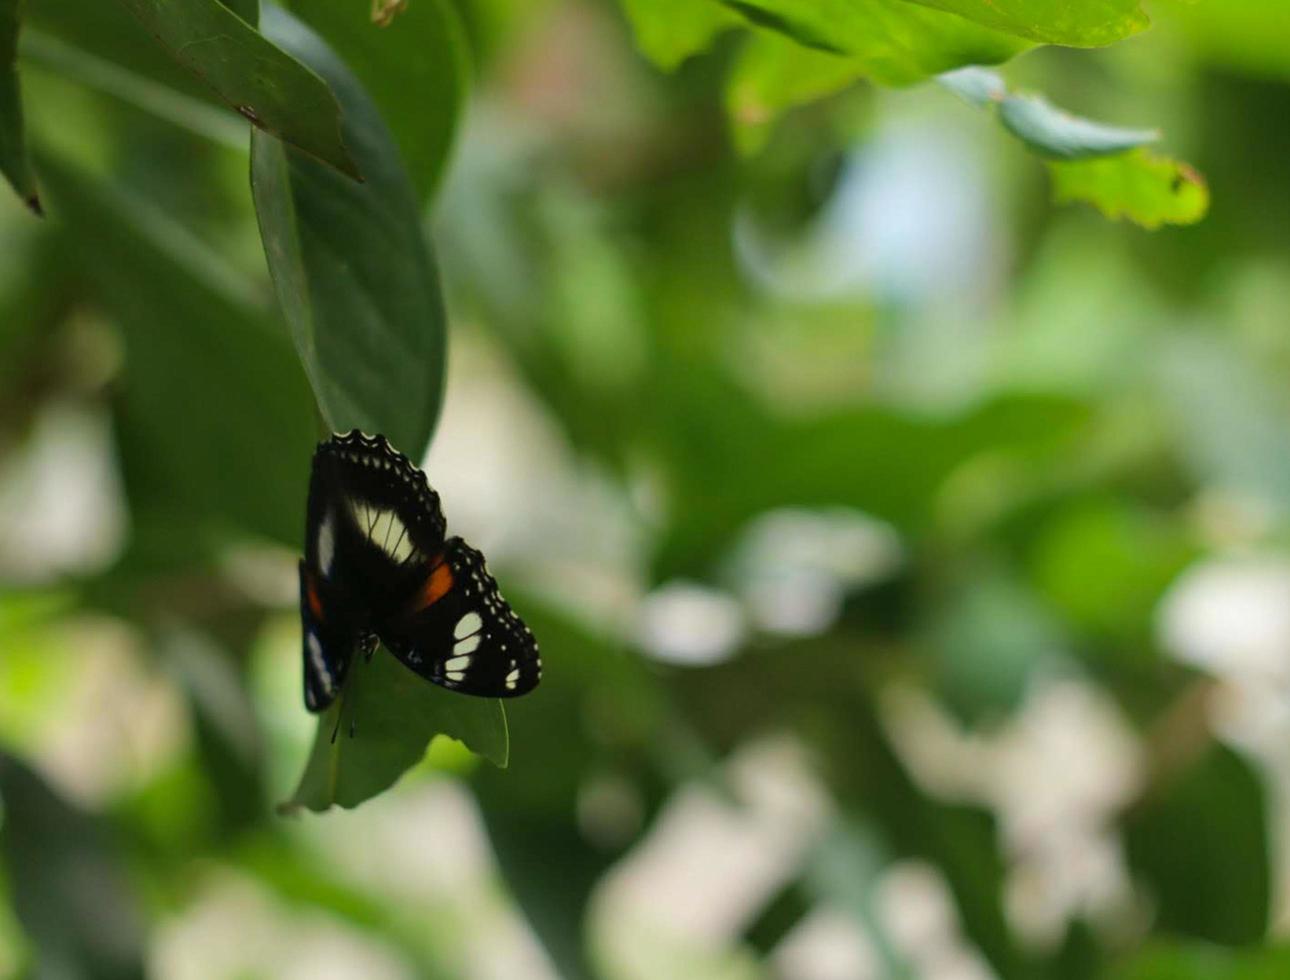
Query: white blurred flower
<point x="794" y="567"/>
<point x="1056" y="774"/>
<point x="1231" y="617"/>
<point x="691" y="624"/>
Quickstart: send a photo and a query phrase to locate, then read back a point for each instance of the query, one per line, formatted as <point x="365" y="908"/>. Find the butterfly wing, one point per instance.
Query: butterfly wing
<point x="459" y="632"/>
<point x="329" y="638"/>
<point x="373" y="520"/>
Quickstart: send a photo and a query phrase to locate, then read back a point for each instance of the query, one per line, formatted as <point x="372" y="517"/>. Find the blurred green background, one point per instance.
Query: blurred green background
<point x="908" y="553"/>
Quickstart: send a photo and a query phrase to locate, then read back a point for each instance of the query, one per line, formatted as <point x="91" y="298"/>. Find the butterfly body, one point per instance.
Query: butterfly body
<point x="378" y="566"/>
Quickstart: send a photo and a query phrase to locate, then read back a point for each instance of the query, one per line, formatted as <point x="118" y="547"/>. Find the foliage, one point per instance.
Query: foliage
<point x="873" y="513"/>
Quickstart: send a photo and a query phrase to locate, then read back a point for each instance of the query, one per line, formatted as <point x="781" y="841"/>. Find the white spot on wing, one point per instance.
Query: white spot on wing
<point x="469" y="645"/>
<point x="383" y="528"/>
<point x="326" y="545"/>
<point x="457" y="663"/>
<point x="513" y="679"/>
<point x="319" y="664"/>
<point x="469" y="623"/>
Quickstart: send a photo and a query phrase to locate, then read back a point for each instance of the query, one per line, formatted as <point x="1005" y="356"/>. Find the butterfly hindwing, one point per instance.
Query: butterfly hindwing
<point x="329" y="642"/>
<point x="459" y="632"/>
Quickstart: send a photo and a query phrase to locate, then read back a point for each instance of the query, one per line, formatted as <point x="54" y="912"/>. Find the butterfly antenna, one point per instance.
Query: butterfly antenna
<point x="340" y="711"/>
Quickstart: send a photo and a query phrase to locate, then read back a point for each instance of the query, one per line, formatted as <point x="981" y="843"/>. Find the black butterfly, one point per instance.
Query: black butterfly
<point x="377" y="567"/>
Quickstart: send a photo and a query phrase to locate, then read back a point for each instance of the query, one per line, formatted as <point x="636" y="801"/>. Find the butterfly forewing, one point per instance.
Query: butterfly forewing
<point x="377" y="564"/>
<point x="461" y="633"/>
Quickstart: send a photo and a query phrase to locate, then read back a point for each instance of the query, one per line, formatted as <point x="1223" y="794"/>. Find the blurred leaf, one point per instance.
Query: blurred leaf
<point x="69" y="889"/>
<point x="1253" y="35"/>
<point x="1229" y="416"/>
<point x="416" y="71"/>
<point x="227" y="735"/>
<point x="818" y="689"/>
<point x="772" y="73"/>
<point x="266" y="85"/>
<point x="14" y="163"/>
<point x="1051" y="132"/>
<point x="669" y="31"/>
<point x="1199" y="888"/>
<point x="894" y="41"/>
<point x="731" y="461"/>
<point x="986" y="643"/>
<point x="214" y="419"/>
<point x="1147" y="189"/>
<point x="351" y="266"/>
<point x="1088" y="23"/>
<point x="140" y="90"/>
<point x="1197" y="961"/>
<point x="383" y="720"/>
<point x="597" y="710"/>
<point x="1105" y="564"/>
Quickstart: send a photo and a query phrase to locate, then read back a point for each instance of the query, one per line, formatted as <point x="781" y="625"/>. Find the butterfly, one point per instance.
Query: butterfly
<point x="378" y="568"/>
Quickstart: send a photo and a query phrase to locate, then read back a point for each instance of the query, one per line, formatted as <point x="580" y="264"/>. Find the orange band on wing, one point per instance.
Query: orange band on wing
<point x="315" y="604"/>
<point x="438" y="585"/>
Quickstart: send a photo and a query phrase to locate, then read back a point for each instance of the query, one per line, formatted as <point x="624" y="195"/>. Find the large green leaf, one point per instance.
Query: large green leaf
<point x="263" y="83"/>
<point x="416" y="70"/>
<point x="1148" y="189"/>
<point x="14" y="163"/>
<point x="896" y="42"/>
<point x="379" y="728"/>
<point x="351" y="266"/>
<point x="1085" y="23"/>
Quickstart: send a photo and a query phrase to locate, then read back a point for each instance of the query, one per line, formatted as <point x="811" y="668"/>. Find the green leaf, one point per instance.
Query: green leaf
<point x="382" y="722"/>
<point x="351" y="266"/>
<point x="1085" y="24"/>
<point x="669" y="31"/>
<point x="263" y="83"/>
<point x="1051" y="132"/>
<point x="14" y="163"/>
<point x="1216" y="893"/>
<point x="895" y="42"/>
<point x="1148" y="189"/>
<point x="416" y="70"/>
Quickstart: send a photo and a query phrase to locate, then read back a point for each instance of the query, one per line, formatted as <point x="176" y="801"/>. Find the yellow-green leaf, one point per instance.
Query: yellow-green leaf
<point x="1145" y="188"/>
